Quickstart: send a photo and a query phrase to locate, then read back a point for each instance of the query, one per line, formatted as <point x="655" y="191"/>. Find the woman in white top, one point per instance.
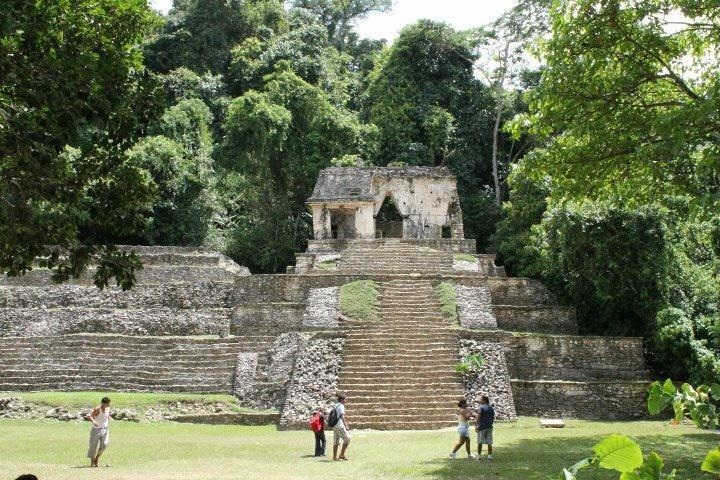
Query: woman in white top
<point x="100" y="433"/>
<point x="464" y="415"/>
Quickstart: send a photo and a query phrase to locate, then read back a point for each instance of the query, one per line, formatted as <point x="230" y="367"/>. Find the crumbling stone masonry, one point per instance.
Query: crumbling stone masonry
<point x="197" y="322"/>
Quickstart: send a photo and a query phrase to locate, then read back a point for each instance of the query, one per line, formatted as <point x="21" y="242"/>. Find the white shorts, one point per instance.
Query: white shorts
<point x="341" y="435"/>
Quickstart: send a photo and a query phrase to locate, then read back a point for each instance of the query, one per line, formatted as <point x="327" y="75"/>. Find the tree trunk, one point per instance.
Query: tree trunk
<point x="499" y="104"/>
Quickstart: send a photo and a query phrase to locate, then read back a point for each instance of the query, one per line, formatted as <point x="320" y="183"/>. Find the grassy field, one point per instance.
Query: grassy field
<point x="55" y="450"/>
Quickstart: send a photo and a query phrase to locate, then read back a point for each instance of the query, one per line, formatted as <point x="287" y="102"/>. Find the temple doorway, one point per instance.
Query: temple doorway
<point x="389" y="221"/>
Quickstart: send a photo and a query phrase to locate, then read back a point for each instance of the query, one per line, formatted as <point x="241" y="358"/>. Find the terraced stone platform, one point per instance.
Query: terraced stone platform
<point x="198" y="323"/>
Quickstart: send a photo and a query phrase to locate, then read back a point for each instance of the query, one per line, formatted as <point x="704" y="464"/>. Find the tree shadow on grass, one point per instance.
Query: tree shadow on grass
<point x="542" y="459"/>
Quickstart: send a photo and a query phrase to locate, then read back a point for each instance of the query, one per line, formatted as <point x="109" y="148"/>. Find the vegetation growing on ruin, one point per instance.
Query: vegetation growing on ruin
<point x="326" y="265"/>
<point x="464" y="257"/>
<point x="448" y="300"/>
<point x="207" y="126"/>
<point x="359" y="300"/>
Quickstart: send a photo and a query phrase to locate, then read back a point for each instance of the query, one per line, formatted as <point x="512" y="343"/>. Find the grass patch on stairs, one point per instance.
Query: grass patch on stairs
<point x="326" y="265"/>
<point x="464" y="257"/>
<point x="448" y="300"/>
<point x="359" y="300"/>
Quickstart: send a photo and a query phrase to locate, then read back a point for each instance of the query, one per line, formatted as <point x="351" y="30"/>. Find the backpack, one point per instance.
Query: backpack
<point x="332" y="418"/>
<point x="315" y="425"/>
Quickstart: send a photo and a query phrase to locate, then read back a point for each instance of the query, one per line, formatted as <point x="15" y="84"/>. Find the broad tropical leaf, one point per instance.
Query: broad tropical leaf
<point x="618" y="452"/>
<point x="712" y="462"/>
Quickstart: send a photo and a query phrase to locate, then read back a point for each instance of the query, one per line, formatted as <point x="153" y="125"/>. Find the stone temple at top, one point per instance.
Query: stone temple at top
<point x="198" y="322"/>
<point x="346" y="202"/>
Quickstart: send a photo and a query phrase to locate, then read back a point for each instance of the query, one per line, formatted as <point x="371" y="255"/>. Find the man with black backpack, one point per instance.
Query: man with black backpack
<point x="341" y="429"/>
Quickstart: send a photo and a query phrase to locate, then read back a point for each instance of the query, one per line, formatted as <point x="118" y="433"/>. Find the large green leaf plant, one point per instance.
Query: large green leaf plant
<point x="699" y="404"/>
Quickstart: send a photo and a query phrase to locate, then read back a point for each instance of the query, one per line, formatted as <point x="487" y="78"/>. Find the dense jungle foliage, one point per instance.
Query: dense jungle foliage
<point x="595" y="166"/>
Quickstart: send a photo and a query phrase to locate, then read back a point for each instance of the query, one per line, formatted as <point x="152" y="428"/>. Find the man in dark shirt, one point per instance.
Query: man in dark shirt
<point x="484" y="427"/>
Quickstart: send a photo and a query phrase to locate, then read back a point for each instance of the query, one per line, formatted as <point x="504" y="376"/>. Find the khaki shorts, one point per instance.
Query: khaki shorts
<point x="485" y="436"/>
<point x="341" y="435"/>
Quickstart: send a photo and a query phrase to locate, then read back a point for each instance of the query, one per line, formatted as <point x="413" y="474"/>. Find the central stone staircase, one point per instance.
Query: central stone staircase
<point x="398" y="373"/>
<point x="394" y="256"/>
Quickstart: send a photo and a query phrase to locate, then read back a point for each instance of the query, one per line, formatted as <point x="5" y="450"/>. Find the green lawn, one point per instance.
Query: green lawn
<point x="178" y="451"/>
<point x="140" y="401"/>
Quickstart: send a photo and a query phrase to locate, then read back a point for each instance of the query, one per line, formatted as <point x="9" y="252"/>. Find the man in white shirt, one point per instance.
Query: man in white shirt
<point x="100" y="433"/>
<point x="341" y="430"/>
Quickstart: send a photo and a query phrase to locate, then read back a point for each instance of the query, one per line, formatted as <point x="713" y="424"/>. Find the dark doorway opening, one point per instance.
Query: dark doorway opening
<point x="389" y="222"/>
<point x="446" y="232"/>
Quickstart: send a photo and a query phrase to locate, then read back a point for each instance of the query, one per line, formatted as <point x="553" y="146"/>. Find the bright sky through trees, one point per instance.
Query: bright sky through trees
<point x="460" y="14"/>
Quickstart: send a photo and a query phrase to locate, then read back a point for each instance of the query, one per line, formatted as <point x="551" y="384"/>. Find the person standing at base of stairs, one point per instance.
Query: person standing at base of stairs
<point x="464" y="416"/>
<point x="341" y="430"/>
<point x="100" y="431"/>
<point x="484" y="427"/>
<point x="317" y="425"/>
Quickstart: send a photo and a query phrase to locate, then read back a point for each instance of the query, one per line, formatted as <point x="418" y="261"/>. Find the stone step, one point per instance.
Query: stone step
<point x="449" y="415"/>
<point x="115" y="387"/>
<point x="421" y="354"/>
<point x="126" y="375"/>
<point x="128" y="362"/>
<point x="400" y="326"/>
<point x="419" y="397"/>
<point x="392" y="378"/>
<point x="402" y="405"/>
<point x="438" y="334"/>
<point x="415" y="425"/>
<point x="129" y="340"/>
<point x="401" y="385"/>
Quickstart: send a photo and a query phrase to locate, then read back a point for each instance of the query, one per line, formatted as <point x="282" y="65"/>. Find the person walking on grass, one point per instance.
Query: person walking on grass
<point x="317" y="425"/>
<point x="484" y="427"/>
<point x="341" y="430"/>
<point x="463" y="428"/>
<point x="100" y="432"/>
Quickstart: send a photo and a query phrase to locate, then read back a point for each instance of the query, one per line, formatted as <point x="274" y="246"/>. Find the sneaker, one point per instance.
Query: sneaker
<point x="490" y="458"/>
<point x="452" y="455"/>
<point x="473" y="456"/>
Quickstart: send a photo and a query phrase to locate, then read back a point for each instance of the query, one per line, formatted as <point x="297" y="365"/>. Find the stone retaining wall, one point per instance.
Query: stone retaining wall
<point x="456" y="245"/>
<point x="574" y="358"/>
<point x="314" y="380"/>
<point x="33" y="322"/>
<point x="536" y="318"/>
<point x="474" y="307"/>
<point x="323" y="308"/>
<point x="150" y="274"/>
<point x="274" y="317"/>
<point x="295" y="288"/>
<point x="493" y="381"/>
<point x="606" y="400"/>
<point x="178" y="295"/>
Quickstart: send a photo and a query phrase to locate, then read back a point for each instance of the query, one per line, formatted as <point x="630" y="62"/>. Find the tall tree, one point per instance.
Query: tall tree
<point x="305" y="48"/>
<point x="73" y="97"/>
<point x="280" y="137"/>
<point x="339" y="16"/>
<point x="629" y="101"/>
<point x="199" y="34"/>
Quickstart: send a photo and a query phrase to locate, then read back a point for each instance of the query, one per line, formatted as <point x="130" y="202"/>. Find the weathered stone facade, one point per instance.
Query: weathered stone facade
<point x="323" y="308"/>
<point x="493" y="380"/>
<point x="346" y="201"/>
<point x="196" y="322"/>
<point x="315" y="380"/>
<point x="474" y="307"/>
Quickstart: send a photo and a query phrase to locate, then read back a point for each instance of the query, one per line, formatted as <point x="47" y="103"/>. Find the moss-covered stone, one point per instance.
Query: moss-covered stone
<point x="359" y="300"/>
